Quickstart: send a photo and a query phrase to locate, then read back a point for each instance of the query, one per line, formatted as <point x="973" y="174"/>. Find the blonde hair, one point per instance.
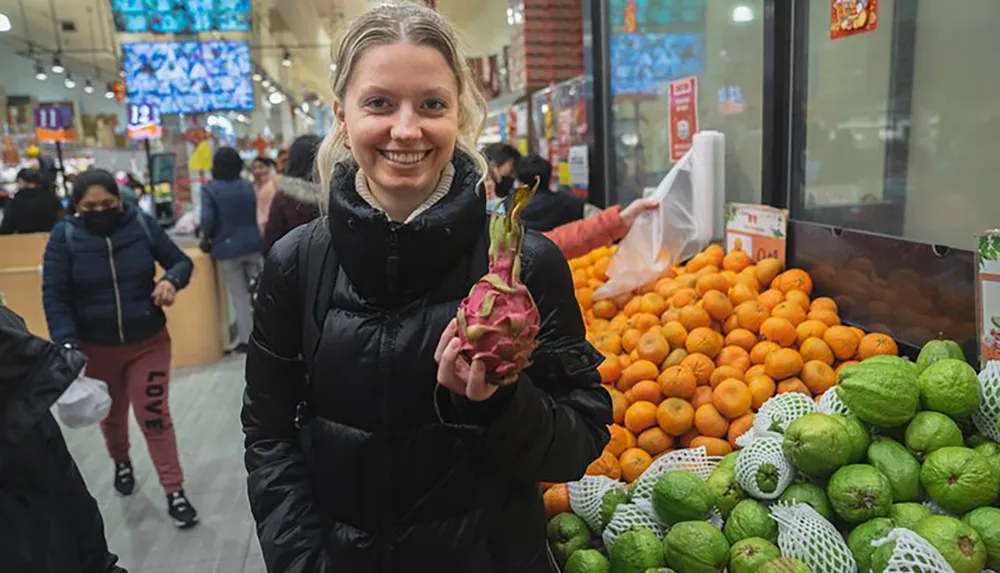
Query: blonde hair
<point x="397" y="23"/>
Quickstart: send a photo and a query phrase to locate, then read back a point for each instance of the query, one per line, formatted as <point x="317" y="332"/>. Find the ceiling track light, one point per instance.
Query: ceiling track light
<point x="108" y="93"/>
<point x="286" y="60"/>
<point x="57" y="67"/>
<point x="88" y="87"/>
<point x="257" y="77"/>
<point x="69" y="82"/>
<point x="266" y="83"/>
<point x="40" y="74"/>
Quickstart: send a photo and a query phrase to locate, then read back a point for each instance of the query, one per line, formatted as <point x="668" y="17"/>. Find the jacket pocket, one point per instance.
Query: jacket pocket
<point x="343" y="465"/>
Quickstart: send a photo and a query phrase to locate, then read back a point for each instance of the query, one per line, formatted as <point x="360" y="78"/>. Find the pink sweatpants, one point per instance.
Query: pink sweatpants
<point x="139" y="374"/>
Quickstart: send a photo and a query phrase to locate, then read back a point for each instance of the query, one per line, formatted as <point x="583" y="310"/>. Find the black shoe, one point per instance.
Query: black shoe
<point x="181" y="510"/>
<point x="124" y="478"/>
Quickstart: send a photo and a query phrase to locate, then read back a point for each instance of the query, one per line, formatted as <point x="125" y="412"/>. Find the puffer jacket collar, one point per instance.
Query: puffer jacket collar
<point x="392" y="264"/>
<point x="299" y="189"/>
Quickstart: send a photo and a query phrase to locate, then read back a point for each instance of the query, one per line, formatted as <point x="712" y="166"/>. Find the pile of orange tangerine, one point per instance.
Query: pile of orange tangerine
<point x="691" y="357"/>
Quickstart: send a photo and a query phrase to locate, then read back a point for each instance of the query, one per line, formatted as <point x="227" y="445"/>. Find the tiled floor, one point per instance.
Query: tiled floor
<point x="205" y="406"/>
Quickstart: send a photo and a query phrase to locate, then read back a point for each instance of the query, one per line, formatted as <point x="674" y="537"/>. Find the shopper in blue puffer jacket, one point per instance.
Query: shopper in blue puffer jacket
<point x="101" y="295"/>
<point x="229" y="221"/>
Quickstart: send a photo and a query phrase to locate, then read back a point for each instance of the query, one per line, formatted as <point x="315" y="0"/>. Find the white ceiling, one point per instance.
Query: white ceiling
<point x="305" y="26"/>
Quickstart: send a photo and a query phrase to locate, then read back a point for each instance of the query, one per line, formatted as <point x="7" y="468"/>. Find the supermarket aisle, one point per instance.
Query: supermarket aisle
<point x="205" y="405"/>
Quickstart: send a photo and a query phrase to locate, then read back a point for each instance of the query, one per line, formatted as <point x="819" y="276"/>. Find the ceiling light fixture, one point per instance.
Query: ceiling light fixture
<point x="286" y="60"/>
<point x="57" y="67"/>
<point x="69" y="82"/>
<point x="276" y="98"/>
<point x="272" y="89"/>
<point x="88" y="87"/>
<point x="4" y="23"/>
<point x="108" y="94"/>
<point x="742" y="13"/>
<point x="266" y="83"/>
<point x="333" y="67"/>
<point x="257" y="77"/>
<point x="305" y="107"/>
<point x="40" y="74"/>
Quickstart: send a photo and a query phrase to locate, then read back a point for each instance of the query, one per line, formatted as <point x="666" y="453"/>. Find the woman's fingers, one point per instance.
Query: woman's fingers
<point x="449" y="375"/>
<point x="446" y="337"/>
<point x="478" y="390"/>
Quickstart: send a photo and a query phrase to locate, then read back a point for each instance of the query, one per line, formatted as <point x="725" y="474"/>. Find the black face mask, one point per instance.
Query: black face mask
<point x="504" y="186"/>
<point x="101" y="223"/>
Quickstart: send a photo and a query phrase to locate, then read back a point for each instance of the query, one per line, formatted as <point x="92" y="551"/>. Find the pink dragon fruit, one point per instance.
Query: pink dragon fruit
<point x="498" y="322"/>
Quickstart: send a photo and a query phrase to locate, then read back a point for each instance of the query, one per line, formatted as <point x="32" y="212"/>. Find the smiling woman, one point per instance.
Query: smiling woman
<point x="371" y="444"/>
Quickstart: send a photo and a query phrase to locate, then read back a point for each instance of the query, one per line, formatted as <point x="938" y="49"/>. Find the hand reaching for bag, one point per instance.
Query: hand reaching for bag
<point x="457" y="375"/>
<point x="635" y="208"/>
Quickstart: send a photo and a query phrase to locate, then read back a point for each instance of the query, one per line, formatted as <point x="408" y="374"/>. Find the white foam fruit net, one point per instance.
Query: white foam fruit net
<point x="989" y="411"/>
<point x="628" y="515"/>
<point x="586" y="496"/>
<point x="803" y="534"/>
<point x="765" y="449"/>
<point x="783" y="409"/>
<point x="830" y="403"/>
<point x="912" y="554"/>
<point x="694" y="460"/>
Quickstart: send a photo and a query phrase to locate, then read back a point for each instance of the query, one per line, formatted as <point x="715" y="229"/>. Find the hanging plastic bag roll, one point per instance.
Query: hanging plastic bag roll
<point x="658" y="238"/>
<point x="708" y="171"/>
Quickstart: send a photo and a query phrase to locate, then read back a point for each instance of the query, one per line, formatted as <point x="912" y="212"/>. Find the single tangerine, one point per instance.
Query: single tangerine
<point x="655" y="440"/>
<point x="762" y="387"/>
<point x="621" y="440"/>
<point x="713" y="446"/>
<point x="793" y="385"/>
<point x="733" y="356"/>
<point x="717" y="305"/>
<point x="758" y="355"/>
<point x="875" y="344"/>
<point x="675" y="333"/>
<point x="675" y="416"/>
<point x="782" y="364"/>
<point x="705" y="341"/>
<point x="742" y="338"/>
<point x="678" y="382"/>
<point x="639" y="416"/>
<point x="790" y="311"/>
<point x="725" y="372"/>
<point x="633" y="462"/>
<point x="751" y="315"/>
<point x="738" y="427"/>
<point x="779" y="330"/>
<point x="693" y="316"/>
<point x="710" y="422"/>
<point x="653" y="346"/>
<point x="814" y="348"/>
<point x="732" y="398"/>
<point x="771" y="298"/>
<point x="818" y="376"/>
<point x="842" y="341"/>
<point x="809" y="329"/>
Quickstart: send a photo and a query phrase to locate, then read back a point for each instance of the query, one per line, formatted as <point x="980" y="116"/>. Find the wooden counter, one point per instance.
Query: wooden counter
<point x="194" y="321"/>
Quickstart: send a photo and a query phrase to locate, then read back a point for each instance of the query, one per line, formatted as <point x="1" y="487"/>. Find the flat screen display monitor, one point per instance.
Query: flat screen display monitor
<point x="181" y="16"/>
<point x="643" y="64"/>
<point x="189" y="77"/>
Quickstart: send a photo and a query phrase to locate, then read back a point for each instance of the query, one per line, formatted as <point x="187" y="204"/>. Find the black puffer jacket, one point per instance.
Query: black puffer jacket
<point x="49" y="523"/>
<point x="396" y="473"/>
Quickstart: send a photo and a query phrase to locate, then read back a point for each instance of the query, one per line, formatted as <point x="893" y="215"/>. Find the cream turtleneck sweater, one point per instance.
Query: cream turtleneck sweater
<point x="443" y="186"/>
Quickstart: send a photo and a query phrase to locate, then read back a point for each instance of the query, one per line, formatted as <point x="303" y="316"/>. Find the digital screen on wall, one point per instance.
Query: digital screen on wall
<point x="181" y="16"/>
<point x="653" y="15"/>
<point x="189" y="77"/>
<point x="643" y="64"/>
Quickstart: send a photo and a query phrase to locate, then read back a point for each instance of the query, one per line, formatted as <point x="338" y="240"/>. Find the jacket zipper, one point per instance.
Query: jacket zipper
<point x="118" y="294"/>
<point x="387" y="347"/>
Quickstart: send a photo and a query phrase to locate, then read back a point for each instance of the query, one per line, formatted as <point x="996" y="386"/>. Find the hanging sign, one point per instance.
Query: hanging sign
<point x="54" y="124"/>
<point x="758" y="230"/>
<point x="683" y="94"/>
<point x="988" y="295"/>
<point x="849" y="17"/>
<point x="144" y="121"/>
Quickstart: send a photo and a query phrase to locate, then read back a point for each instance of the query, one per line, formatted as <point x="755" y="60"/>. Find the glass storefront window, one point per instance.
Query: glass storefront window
<point x="900" y="123"/>
<point x="654" y="42"/>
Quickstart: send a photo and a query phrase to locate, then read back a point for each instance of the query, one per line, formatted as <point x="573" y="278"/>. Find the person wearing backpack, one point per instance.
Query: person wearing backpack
<point x="371" y="443"/>
<point x="101" y="295"/>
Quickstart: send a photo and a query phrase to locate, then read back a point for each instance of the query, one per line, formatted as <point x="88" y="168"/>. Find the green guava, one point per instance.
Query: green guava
<point x="929" y="431"/>
<point x="726" y="490"/>
<point x="976" y="440"/>
<point x="587" y="561"/>
<point x="767" y="477"/>
<point x="951" y="387"/>
<point x="611" y="500"/>
<point x="992" y="452"/>
<point x="728" y="461"/>
<point x="908" y="515"/>
<point x="750" y="518"/>
<point x="635" y="551"/>
<point x="957" y="542"/>
<point x="959" y="479"/>
<point x="859" y="435"/>
<point x="859" y="493"/>
<point x="986" y="522"/>
<point x="681" y="496"/>
<point x="811" y="495"/>
<point x="567" y="533"/>
<point x="696" y="547"/>
<point x="899" y="466"/>
<point x="748" y="555"/>
<point x="936" y="350"/>
<point x="860" y="541"/>
<point x="893" y="361"/>
<point x="784" y="565"/>
<point x="817" y="444"/>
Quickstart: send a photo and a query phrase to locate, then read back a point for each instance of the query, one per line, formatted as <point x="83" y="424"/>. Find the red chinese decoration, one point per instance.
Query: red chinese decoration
<point x="631" y="17"/>
<point x="118" y="88"/>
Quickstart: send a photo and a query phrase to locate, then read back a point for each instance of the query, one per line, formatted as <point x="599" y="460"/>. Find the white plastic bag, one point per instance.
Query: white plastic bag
<point x="660" y="238"/>
<point x="84" y="403"/>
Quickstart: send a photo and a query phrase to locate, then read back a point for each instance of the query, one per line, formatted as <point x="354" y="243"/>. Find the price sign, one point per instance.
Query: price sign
<point x="758" y="230"/>
<point x="54" y="123"/>
<point x="144" y="121"/>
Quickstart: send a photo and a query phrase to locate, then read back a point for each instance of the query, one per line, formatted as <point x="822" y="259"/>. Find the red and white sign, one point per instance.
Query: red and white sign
<point x="683" y="94"/>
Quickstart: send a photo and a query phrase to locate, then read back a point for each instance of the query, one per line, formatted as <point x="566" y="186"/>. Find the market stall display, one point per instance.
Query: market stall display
<point x="753" y="432"/>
